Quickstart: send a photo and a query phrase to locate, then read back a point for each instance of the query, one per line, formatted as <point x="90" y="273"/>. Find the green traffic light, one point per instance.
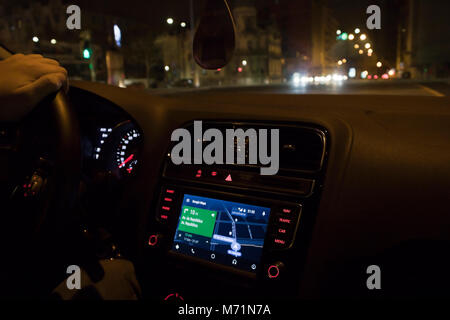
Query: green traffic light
<point x="86" y="54"/>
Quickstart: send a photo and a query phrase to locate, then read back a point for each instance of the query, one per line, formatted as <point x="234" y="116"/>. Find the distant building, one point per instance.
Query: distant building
<point x="258" y="50"/>
<point x="308" y="29"/>
<point x="423" y="38"/>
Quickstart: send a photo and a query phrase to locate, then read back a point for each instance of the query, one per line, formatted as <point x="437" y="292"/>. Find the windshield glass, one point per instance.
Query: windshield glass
<point x="399" y="47"/>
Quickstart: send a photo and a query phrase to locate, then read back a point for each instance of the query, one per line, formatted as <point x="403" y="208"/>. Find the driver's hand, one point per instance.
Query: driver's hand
<point x="25" y="80"/>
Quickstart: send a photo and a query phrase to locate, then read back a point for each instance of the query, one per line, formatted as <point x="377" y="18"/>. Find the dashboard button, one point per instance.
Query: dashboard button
<point x="174" y="297"/>
<point x="280" y="242"/>
<point x="274" y="270"/>
<point x="154" y="240"/>
<point x="170" y="191"/>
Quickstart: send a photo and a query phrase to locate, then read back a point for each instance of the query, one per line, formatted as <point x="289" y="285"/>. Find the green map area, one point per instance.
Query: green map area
<point x="197" y="221"/>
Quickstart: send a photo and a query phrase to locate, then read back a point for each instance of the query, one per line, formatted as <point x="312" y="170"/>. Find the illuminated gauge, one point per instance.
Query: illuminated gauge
<point x="122" y="149"/>
<point x="127" y="151"/>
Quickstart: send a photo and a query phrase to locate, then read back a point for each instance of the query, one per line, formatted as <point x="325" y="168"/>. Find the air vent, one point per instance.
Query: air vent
<point x="302" y="148"/>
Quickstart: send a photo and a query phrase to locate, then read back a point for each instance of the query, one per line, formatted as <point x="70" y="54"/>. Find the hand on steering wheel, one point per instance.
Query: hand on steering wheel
<point x="25" y="80"/>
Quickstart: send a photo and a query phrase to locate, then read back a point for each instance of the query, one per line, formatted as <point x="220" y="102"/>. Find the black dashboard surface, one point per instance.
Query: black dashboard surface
<point x="387" y="183"/>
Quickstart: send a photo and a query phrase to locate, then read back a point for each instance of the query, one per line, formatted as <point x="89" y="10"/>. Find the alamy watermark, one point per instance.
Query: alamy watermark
<point x="73" y="22"/>
<point x="236" y="142"/>
<point x="374" y="280"/>
<point x="74" y="280"/>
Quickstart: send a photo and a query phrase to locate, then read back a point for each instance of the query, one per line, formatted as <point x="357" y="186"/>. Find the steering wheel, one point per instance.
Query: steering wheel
<point x="44" y="178"/>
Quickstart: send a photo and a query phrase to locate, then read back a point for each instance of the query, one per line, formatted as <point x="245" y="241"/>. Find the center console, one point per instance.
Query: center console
<point x="231" y="226"/>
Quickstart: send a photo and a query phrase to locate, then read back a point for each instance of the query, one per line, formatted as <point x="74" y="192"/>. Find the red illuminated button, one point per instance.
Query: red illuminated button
<point x="281" y="231"/>
<point x="279" y="241"/>
<point x="164" y="217"/>
<point x="165" y="208"/>
<point x="284" y="220"/>
<point x="153" y="240"/>
<point x="274" y="270"/>
<point x="287" y="210"/>
<point x="173" y="296"/>
<point x="170" y="191"/>
<point x="167" y="199"/>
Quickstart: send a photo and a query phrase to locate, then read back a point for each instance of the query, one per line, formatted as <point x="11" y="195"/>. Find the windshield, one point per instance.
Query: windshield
<point x="399" y="47"/>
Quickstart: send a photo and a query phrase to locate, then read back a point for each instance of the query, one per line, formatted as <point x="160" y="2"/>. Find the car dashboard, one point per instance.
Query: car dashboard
<point x="362" y="180"/>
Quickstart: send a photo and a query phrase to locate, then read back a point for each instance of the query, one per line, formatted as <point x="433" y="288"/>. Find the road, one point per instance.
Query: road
<point x="376" y="87"/>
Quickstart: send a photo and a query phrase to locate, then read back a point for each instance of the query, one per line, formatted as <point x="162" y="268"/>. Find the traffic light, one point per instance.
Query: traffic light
<point x="87" y="52"/>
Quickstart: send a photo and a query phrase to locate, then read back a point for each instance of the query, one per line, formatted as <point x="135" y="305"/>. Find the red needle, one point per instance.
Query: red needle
<point x="126" y="161"/>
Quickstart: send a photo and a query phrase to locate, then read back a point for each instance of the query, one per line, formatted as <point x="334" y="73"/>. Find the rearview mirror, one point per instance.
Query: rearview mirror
<point x="214" y="40"/>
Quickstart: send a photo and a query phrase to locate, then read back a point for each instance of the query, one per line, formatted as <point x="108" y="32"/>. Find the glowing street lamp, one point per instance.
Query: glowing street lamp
<point x="363" y="37"/>
<point x="183" y="24"/>
<point x="338" y="32"/>
<point x="167" y="68"/>
<point x="244" y="62"/>
<point x="356" y="46"/>
<point x="339" y="62"/>
<point x="169" y="20"/>
<point x="360" y="51"/>
<point x="351" y="36"/>
<point x="53" y="41"/>
<point x="367" y="46"/>
<point x="357" y="30"/>
<point x="35" y="39"/>
<point x="379" y="64"/>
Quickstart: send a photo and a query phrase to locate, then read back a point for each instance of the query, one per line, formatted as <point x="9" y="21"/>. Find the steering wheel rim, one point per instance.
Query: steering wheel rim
<point x="65" y="177"/>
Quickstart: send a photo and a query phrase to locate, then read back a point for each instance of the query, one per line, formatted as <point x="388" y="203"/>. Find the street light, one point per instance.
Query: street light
<point x="183" y="24"/>
<point x="35" y="39"/>
<point x="357" y="30"/>
<point x="53" y="41"/>
<point x="339" y="62"/>
<point x="244" y="62"/>
<point x="344" y="60"/>
<point x="361" y="51"/>
<point x="367" y="46"/>
<point x="356" y="46"/>
<point x="363" y="37"/>
<point x="169" y="21"/>
<point x="351" y="36"/>
<point x="370" y="51"/>
<point x="379" y="64"/>
<point x="167" y="68"/>
<point x="338" y="32"/>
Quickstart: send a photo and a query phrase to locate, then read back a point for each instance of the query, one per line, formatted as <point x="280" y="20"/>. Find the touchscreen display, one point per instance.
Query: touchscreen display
<point x="223" y="232"/>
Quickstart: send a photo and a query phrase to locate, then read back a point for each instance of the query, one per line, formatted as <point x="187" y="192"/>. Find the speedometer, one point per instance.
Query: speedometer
<point x="126" y="151"/>
<point x="122" y="149"/>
